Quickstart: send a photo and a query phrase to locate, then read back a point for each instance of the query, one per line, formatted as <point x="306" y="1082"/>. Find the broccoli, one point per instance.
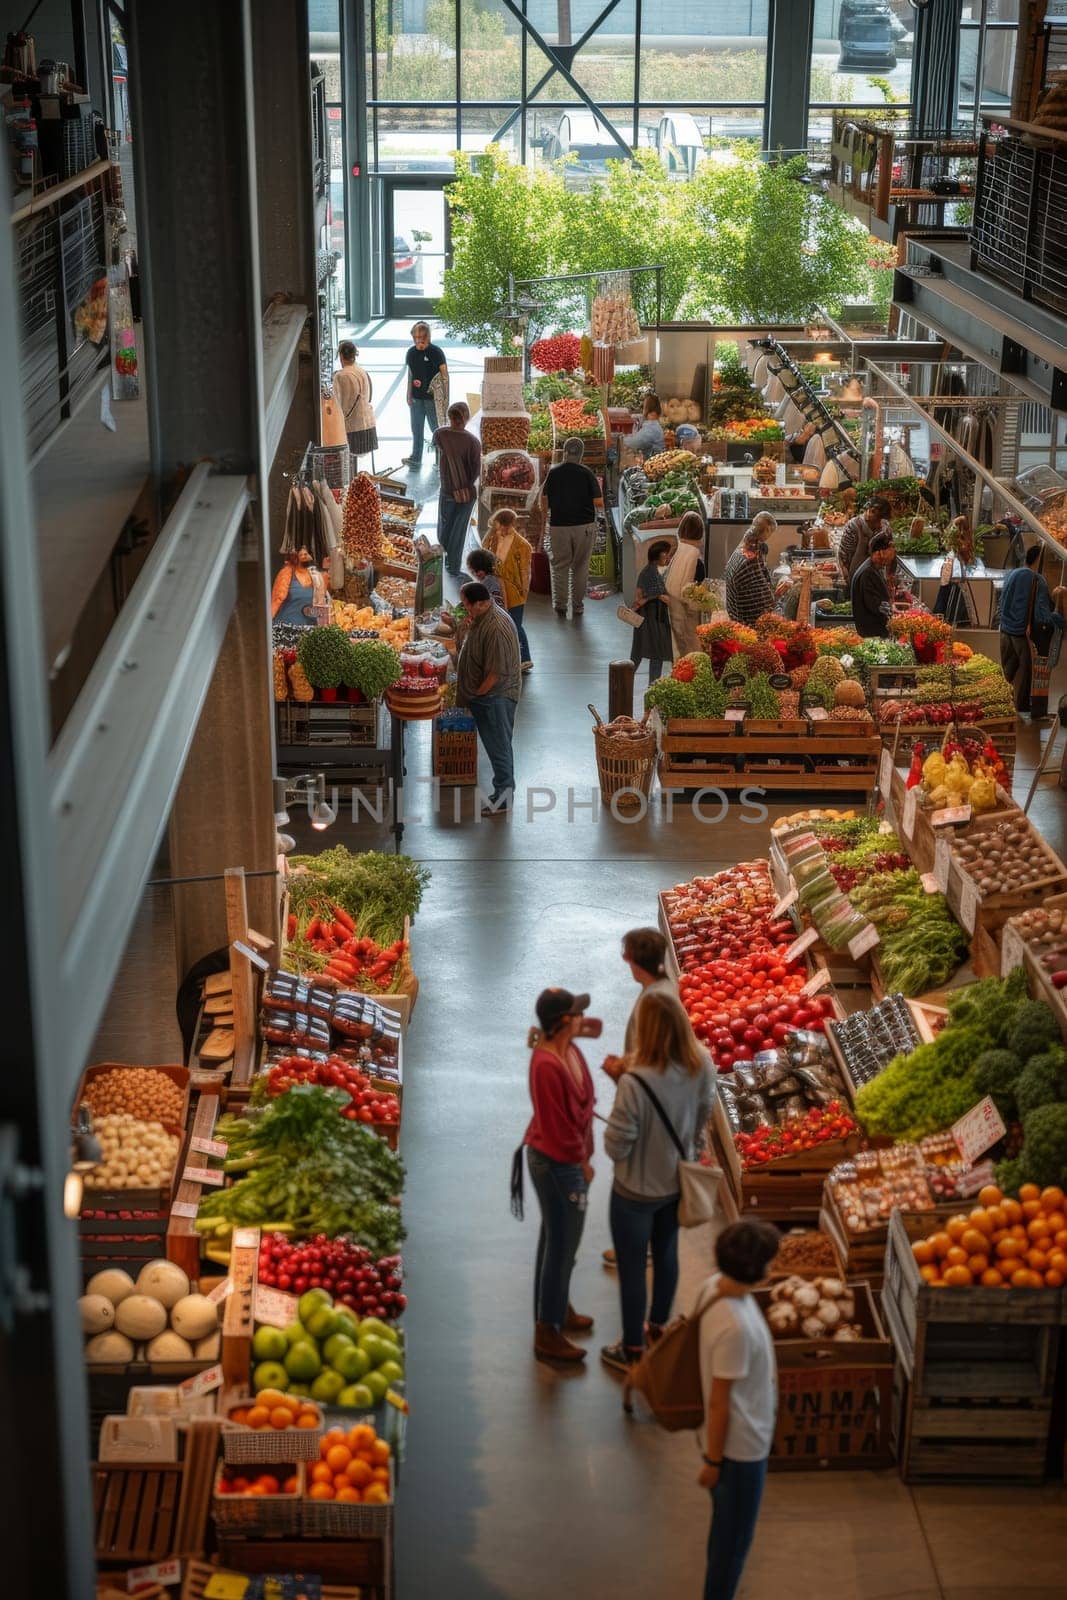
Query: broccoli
<point x="1034" y="1028"/>
<point x="1042" y="1081"/>
<point x="990" y="1005"/>
<point x="1010" y="1175"/>
<point x="1044" y="1154"/>
<point x="995" y="1073"/>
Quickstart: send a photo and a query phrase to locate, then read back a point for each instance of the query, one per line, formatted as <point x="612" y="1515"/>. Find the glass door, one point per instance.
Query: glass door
<point x="416" y="244"/>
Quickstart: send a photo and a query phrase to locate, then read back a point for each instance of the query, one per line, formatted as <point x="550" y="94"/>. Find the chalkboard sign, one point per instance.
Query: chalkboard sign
<point x="733" y="680"/>
<point x="780" y="680"/>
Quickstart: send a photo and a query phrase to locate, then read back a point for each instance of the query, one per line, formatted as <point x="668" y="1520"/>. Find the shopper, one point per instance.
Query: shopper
<point x="648" y="439"/>
<point x="687" y="437"/>
<point x="686" y="567"/>
<point x="481" y="564"/>
<point x="514" y="558"/>
<point x="488" y="684"/>
<point x="299" y="586"/>
<point x="1027" y="612"/>
<point x="353" y="391"/>
<point x="426" y="366"/>
<point x="569" y="498"/>
<point x="749" y="586"/>
<point x="663" y="1100"/>
<point x="856" y="536"/>
<point x="872" y="603"/>
<point x="738" y="1371"/>
<point x="652" y="640"/>
<point x="559" y="1149"/>
<point x="459" y="456"/>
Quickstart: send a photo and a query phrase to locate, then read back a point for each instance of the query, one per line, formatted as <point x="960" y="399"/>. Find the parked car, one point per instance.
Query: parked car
<point x="865" y="33"/>
<point x="582" y="135"/>
<point x="680" y="144"/>
<point x="407" y="265"/>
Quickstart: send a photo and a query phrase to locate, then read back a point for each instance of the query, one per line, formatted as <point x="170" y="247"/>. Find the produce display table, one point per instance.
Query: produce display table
<point x="783" y="755"/>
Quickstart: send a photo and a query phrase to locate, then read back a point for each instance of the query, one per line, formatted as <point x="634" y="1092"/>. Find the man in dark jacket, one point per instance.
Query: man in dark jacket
<point x="872" y="605"/>
<point x="460" y="461"/>
<point x="856" y="536"/>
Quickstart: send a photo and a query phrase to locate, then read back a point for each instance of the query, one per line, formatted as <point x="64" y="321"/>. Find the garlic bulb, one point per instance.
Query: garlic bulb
<point x="828" y="1313"/>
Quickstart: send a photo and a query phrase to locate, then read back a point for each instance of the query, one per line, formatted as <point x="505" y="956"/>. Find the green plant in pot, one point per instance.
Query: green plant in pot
<point x="324" y="654"/>
<point x="372" y="666"/>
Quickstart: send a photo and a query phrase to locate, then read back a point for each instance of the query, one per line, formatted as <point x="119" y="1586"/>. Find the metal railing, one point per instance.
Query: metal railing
<point x="1019" y="234"/>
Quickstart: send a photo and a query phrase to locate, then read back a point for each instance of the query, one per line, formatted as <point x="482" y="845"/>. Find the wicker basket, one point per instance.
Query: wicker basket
<point x="258" y="1515"/>
<point x="336" y="1519"/>
<point x="624" y="764"/>
<point x="266" y="1445"/>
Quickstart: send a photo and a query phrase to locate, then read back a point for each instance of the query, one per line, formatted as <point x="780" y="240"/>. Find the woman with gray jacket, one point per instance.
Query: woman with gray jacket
<point x="668" y="1079"/>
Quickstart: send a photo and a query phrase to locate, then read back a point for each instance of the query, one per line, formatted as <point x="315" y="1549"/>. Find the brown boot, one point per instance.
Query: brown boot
<point x="550" y="1345"/>
<point x="574" y="1322"/>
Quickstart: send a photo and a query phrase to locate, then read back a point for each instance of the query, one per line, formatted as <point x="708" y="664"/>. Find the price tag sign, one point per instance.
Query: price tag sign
<point x="735" y="713"/>
<point x="930" y="883"/>
<point x="209" y="1147"/>
<point x="1011" y="951"/>
<point x="942" y="858"/>
<point x="948" y="816"/>
<point x="251" y="955"/>
<point x="202" y="1382"/>
<point x="220" y="1291"/>
<point x="780" y="680"/>
<point x="817" y="713"/>
<point x="885" y="771"/>
<point x="969" y="1183"/>
<point x="204" y="1175"/>
<point x="821" y="980"/>
<point x="865" y="940"/>
<point x="226" y="1586"/>
<point x="184" y="1208"/>
<point x="798" y="947"/>
<point x="246" y="1238"/>
<point x="783" y="905"/>
<point x="968" y="905"/>
<point x="911" y="806"/>
<point x="165" y="1572"/>
<point x="275" y="1307"/>
<point x="978" y="1130"/>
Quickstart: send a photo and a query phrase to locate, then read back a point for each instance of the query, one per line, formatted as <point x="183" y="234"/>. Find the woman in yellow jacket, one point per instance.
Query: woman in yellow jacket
<point x="513" y="557"/>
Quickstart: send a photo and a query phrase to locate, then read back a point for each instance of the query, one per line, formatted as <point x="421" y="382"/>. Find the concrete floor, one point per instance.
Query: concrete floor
<point x="520" y="1479"/>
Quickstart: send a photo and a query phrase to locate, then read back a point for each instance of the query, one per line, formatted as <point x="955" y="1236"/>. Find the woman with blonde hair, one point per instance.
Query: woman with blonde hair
<point x="514" y="555"/>
<point x="662" y="1104"/>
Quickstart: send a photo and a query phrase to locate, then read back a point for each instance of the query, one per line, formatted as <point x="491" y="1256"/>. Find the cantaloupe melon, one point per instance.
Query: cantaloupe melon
<point x="140" y="1317"/>
<point x="112" y="1347"/>
<point x="194" y="1317"/>
<point x="97" y="1313"/>
<point x="169" y="1346"/>
<point x="163" y="1281"/>
<point x="112" y="1283"/>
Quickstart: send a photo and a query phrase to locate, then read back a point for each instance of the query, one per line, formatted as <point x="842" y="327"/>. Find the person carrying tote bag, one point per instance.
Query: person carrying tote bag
<point x="662" y="1104"/>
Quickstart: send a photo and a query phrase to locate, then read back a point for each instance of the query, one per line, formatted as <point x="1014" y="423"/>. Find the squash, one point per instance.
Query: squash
<point x="850" y="693"/>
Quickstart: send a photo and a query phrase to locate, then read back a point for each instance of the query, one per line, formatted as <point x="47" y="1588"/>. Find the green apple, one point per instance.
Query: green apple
<point x="378" y="1349"/>
<point x="296" y="1333"/>
<point x="377" y="1384"/>
<point x="334" y="1345"/>
<point x="382" y="1329"/>
<point x="311" y="1301"/>
<point x="322" y="1323"/>
<point x="270" y="1375"/>
<point x="269" y="1344"/>
<point x="327" y="1387"/>
<point x="303" y="1362"/>
<point x="348" y="1324"/>
<point x="392" y="1371"/>
<point x="352" y="1363"/>
<point x="356" y="1397"/>
<point x="301" y="1389"/>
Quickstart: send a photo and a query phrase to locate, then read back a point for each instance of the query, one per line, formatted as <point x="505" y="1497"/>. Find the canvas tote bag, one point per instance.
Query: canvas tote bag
<point x="698" y="1185"/>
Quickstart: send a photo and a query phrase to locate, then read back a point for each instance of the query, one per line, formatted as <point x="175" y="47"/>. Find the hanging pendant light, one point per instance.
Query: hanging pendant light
<point x="773" y="390"/>
<point x="852" y="393"/>
<point x="830" y="478"/>
<point x="790" y="415"/>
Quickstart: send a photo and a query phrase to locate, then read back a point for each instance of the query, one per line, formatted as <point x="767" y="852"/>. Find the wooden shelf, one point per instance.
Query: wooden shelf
<point x="59" y="191"/>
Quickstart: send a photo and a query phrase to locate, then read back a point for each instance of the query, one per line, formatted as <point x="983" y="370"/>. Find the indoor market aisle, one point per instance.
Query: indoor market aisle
<point x="520" y="1478"/>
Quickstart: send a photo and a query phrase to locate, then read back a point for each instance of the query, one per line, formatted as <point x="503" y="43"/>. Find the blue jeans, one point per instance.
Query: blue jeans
<point x="516" y="615"/>
<point x="636" y="1224"/>
<point x="453" y="520"/>
<point x="494" y="718"/>
<point x="735" y="1503"/>
<point x="561" y="1193"/>
<point x="423" y="411"/>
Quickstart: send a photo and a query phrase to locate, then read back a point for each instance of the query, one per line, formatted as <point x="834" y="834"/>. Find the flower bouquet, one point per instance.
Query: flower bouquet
<point x="928" y="636"/>
<point x="709" y="596"/>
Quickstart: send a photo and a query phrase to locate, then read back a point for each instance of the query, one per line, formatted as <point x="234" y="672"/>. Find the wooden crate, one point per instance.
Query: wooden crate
<point x="834" y="1399"/>
<point x="960" y="1441"/>
<point x="787" y="1191"/>
<point x="367" y="1563"/>
<point x="991" y="911"/>
<point x="159" y="1196"/>
<point x="455" y="757"/>
<point x="135" y="1511"/>
<point x="1014" y="951"/>
<point x="183" y="1241"/>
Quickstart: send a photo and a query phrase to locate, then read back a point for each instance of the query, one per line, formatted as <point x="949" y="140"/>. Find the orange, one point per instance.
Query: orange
<point x="977" y="1264"/>
<point x="1012" y="1210"/>
<point x="1060" y="1239"/>
<point x="1054" y="1279"/>
<point x="956" y="1256"/>
<point x="307" y="1419"/>
<point x="258" y="1417"/>
<point x="1017" y="1231"/>
<point x="240" y="1484"/>
<point x="974" y="1241"/>
<point x="320" y="1473"/>
<point x="1009" y="1247"/>
<point x="1023" y="1278"/>
<point x="291" y="1485"/>
<point x="376" y="1494"/>
<point x="1031" y="1209"/>
<point x="1056" y="1220"/>
<point x="997" y="1217"/>
<point x="981" y="1219"/>
<point x="923" y="1252"/>
<point x="257" y="1488"/>
<point x="270" y="1398"/>
<point x="281" y="1417"/>
<point x="1037" y="1259"/>
<point x="350" y="1496"/>
<point x="358" y="1472"/>
<point x="268" y="1483"/>
<point x="929" y="1272"/>
<point x="1029" y="1191"/>
<point x="1039" y="1229"/>
<point x="956" y="1227"/>
<point x="359" y="1436"/>
<point x="340" y="1480"/>
<point x="957" y="1277"/>
<point x="321" y="1491"/>
<point x="333" y="1436"/>
<point x="1052" y="1198"/>
<point x="240" y="1415"/>
<point x="941" y="1242"/>
<point x="381" y="1475"/>
<point x="1057" y="1260"/>
<point x="989" y="1196"/>
<point x="381" y="1451"/>
<point x="991" y="1278"/>
<point x="337" y="1457"/>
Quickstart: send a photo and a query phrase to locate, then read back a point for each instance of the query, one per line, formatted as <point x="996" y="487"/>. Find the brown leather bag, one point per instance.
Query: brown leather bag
<point x="668" y="1374"/>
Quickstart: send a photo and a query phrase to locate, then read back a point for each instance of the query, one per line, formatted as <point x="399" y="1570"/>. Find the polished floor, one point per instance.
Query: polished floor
<point x="520" y="1480"/>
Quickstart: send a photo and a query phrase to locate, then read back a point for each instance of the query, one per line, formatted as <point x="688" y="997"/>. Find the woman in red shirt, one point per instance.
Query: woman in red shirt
<point x="559" y="1143"/>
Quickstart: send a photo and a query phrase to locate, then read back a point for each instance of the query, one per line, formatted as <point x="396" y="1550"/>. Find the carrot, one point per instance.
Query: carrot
<point x="341" y="915"/>
<point x="290" y="927"/>
<point x="314" y="929"/>
<point x="339" y="931"/>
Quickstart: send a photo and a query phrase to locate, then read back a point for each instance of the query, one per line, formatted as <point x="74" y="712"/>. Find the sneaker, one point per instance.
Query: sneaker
<point x="621" y="1357"/>
<point x="412" y="461"/>
<point x="499" y="805"/>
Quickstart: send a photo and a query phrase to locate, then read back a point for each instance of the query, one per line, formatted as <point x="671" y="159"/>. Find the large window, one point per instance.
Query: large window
<point x="988" y="33"/>
<point x="861" y="56"/>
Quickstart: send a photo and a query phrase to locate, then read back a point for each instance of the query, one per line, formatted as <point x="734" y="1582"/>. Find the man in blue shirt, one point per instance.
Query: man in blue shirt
<point x="1025" y="605"/>
<point x="649" y="438"/>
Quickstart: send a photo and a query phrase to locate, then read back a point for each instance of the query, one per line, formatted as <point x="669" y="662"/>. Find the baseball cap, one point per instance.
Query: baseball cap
<point x="552" y="1004"/>
<point x="686" y="431"/>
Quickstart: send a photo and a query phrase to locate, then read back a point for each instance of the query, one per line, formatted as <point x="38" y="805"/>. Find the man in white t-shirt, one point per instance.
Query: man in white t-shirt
<point x="739" y="1375"/>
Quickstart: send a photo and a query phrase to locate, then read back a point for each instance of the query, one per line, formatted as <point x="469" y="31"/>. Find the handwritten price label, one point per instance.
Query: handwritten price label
<point x="816" y="713"/>
<point x="911" y="805"/>
<point x="783" y="905"/>
<point x="735" y="714"/>
<point x="948" y="816"/>
<point x="275" y="1307"/>
<point x="184" y="1208"/>
<point x="978" y="1130"/>
<point x="942" y="859"/>
<point x="220" y="1291"/>
<point x="798" y="947"/>
<point x="930" y="883"/>
<point x="204" y="1175"/>
<point x="821" y="980"/>
<point x="202" y="1382"/>
<point x="246" y="1238"/>
<point x="968" y="905"/>
<point x="885" y="771"/>
<point x="209" y="1147"/>
<point x="1011" y="951"/>
<point x="864" y="941"/>
<point x="166" y="1572"/>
